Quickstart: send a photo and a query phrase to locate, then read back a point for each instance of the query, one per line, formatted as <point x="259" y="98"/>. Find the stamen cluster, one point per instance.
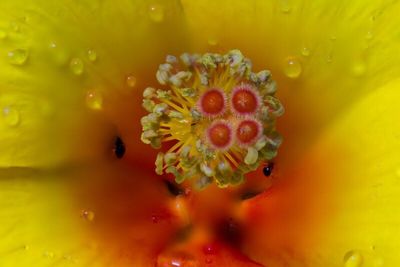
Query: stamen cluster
<point x="215" y="116"/>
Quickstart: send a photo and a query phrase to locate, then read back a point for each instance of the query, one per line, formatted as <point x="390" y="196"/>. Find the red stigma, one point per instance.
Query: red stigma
<point x="212" y="102"/>
<point x="220" y="135"/>
<point x="248" y="131"/>
<point x="244" y="100"/>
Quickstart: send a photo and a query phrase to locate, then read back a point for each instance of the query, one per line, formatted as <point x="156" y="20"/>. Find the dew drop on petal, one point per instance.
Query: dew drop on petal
<point x="131" y="81"/>
<point x="87" y="215"/>
<point x="156" y="13"/>
<point x="155" y="218"/>
<point x="171" y="263"/>
<point x="11" y="116"/>
<point x="94" y="100"/>
<point x="292" y="68"/>
<point x="92" y="55"/>
<point x="209" y="249"/>
<point x="67" y="257"/>
<point x="358" y="67"/>
<point x="305" y="51"/>
<point x="48" y="254"/>
<point x="353" y="259"/>
<point x="369" y="35"/>
<point x="177" y="259"/>
<point x="329" y="58"/>
<point x="285" y="6"/>
<point x="76" y="66"/>
<point x="18" y="57"/>
<point x="212" y="41"/>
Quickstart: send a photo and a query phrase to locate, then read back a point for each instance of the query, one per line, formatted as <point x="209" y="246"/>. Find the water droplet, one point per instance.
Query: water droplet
<point x="209" y="249"/>
<point x="87" y="215"/>
<point x="176" y="259"/>
<point x="292" y="68"/>
<point x="212" y="41"/>
<point x="76" y="66"/>
<point x="329" y="58"/>
<point x="155" y="218"/>
<point x="353" y="259"/>
<point x="92" y="55"/>
<point x="156" y="13"/>
<point x="48" y="254"/>
<point x="18" y="57"/>
<point x="369" y="35"/>
<point x="26" y="247"/>
<point x="305" y="51"/>
<point x="94" y="100"/>
<point x="359" y="67"/>
<point x="285" y="6"/>
<point x="11" y="116"/>
<point x="3" y="34"/>
<point x="398" y="172"/>
<point x="131" y="81"/>
<point x="67" y="257"/>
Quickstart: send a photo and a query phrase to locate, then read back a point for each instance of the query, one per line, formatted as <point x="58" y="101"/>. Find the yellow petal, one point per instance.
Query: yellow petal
<point x="340" y="198"/>
<point x="66" y="61"/>
<point x="331" y="61"/>
<point x="351" y="49"/>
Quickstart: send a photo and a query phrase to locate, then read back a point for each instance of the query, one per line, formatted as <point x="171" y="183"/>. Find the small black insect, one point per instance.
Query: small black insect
<point x="119" y="147"/>
<point x="267" y="170"/>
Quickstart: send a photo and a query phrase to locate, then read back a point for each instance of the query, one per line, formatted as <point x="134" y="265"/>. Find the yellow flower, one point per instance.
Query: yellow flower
<point x="72" y="74"/>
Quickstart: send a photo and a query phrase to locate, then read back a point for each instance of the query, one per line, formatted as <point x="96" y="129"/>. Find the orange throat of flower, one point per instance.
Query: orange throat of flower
<point x="216" y="118"/>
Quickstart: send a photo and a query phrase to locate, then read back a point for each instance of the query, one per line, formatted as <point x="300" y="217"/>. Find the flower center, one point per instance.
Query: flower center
<point x="211" y="142"/>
